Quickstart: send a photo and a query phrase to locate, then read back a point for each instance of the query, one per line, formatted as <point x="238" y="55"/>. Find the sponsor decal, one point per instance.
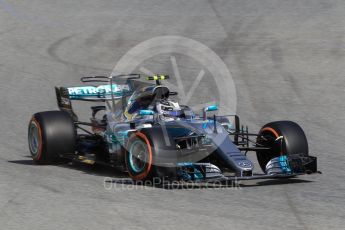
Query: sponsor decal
<point x="99" y="91"/>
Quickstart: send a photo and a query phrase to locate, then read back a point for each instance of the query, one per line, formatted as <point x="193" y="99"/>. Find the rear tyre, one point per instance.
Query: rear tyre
<point x="51" y="134"/>
<point x="294" y="141"/>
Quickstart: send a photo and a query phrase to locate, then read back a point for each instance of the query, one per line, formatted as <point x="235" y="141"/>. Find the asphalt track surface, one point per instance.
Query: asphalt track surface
<point x="287" y="60"/>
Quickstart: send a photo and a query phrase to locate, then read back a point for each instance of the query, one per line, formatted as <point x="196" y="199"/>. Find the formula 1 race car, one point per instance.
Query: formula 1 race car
<point x="140" y="129"/>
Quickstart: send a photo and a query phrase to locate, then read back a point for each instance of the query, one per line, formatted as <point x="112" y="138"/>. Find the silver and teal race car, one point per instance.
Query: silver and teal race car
<point x="141" y="130"/>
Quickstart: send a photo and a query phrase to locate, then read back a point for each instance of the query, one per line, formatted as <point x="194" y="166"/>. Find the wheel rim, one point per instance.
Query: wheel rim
<point x="34" y="139"/>
<point x="138" y="154"/>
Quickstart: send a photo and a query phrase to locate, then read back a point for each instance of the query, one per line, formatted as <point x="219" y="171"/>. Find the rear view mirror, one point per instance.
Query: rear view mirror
<point x="209" y="109"/>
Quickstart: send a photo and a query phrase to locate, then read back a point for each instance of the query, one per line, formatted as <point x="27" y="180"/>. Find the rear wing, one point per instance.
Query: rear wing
<point x="99" y="93"/>
<point x="118" y="87"/>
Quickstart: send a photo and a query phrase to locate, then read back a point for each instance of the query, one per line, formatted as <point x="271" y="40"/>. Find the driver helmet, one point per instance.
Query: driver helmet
<point x="168" y="108"/>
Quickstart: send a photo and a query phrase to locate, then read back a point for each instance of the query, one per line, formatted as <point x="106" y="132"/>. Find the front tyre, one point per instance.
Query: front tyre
<point x="51" y="134"/>
<point x="139" y="157"/>
<point x="294" y="141"/>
